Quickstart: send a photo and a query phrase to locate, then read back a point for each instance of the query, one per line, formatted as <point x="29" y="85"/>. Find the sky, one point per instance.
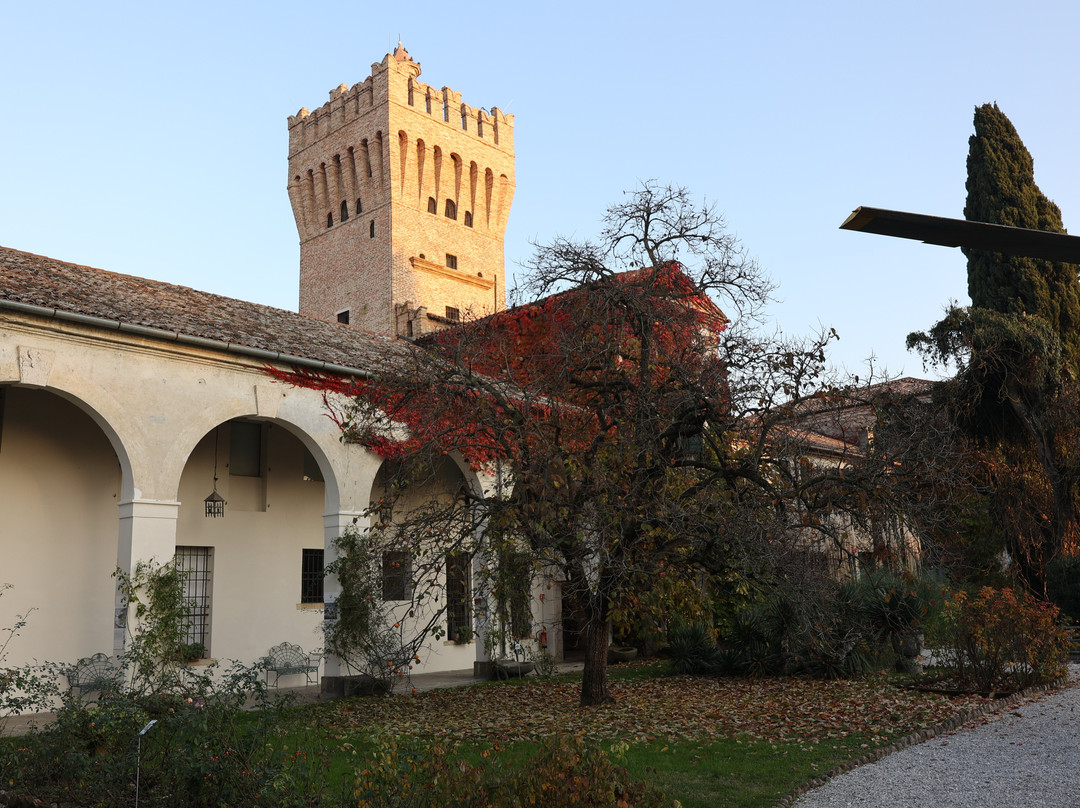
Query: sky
<point x="150" y="138"/>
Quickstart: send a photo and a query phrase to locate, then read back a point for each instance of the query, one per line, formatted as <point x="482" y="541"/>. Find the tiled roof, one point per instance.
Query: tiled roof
<point x="838" y="423"/>
<point x="38" y="281"/>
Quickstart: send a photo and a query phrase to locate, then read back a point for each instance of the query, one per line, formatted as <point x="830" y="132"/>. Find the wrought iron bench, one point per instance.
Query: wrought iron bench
<point x="287" y="659"/>
<point x="95" y="673"/>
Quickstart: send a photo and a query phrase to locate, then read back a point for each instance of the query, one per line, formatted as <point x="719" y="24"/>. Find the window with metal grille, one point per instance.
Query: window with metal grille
<point x="343" y="317"/>
<point x="396" y="575"/>
<point x="197" y="564"/>
<point x="311" y="576"/>
<point x="453" y="314"/>
<point x="451" y="261"/>
<point x="458" y="593"/>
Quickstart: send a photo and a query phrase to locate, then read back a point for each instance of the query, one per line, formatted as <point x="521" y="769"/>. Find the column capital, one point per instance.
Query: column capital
<point x="148" y="509"/>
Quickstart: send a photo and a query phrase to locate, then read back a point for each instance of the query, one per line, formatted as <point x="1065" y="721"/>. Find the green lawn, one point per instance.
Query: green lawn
<point x="702" y="741"/>
<point x="699" y="740"/>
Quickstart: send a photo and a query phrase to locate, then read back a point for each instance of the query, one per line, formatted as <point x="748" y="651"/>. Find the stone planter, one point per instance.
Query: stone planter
<point x="621" y="653"/>
<point x="511" y="668"/>
<point x="336" y="687"/>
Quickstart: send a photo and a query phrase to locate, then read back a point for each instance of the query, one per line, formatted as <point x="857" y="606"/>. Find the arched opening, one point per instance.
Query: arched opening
<point x="62" y="480"/>
<point x="425" y="542"/>
<point x="451" y="209"/>
<point x="251" y="572"/>
<point x="344" y="211"/>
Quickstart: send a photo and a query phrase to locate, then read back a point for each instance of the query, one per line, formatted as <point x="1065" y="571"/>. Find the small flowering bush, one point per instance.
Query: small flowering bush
<point x="1001" y="640"/>
<point x="563" y="772"/>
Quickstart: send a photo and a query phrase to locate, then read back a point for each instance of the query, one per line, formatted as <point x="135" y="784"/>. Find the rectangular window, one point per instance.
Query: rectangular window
<point x="453" y="314"/>
<point x="396" y="575"/>
<point x="458" y="596"/>
<point x="197" y="564"/>
<point x="343" y="317"/>
<point x="451" y="261"/>
<point x="245" y="449"/>
<point x="311" y="576"/>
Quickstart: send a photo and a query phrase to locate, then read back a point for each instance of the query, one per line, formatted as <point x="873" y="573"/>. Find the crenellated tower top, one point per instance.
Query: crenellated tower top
<point x="401" y="194"/>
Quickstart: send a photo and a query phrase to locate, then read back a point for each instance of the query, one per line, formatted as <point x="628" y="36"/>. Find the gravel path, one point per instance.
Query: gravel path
<point x="1025" y="756"/>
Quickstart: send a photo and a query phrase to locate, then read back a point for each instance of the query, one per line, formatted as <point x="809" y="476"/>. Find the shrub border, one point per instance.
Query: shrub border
<point x="923" y="735"/>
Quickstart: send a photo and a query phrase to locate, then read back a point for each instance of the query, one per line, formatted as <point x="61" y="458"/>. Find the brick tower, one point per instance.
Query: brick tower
<point x="401" y="194"/>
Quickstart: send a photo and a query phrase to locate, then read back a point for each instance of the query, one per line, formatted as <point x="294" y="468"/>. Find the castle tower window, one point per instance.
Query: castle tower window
<point x="451" y="261"/>
<point x="329" y="220"/>
<point x="451" y="209"/>
<point x="464" y="119"/>
<point x="359" y="207"/>
<point x="427" y="102"/>
<point x="343" y="317"/>
<point x="468" y="218"/>
<point x="432" y="205"/>
<point x="453" y="314"/>
<point x="344" y="211"/>
<point x="479" y="125"/>
<point x="371" y="229"/>
<point x="408" y="329"/>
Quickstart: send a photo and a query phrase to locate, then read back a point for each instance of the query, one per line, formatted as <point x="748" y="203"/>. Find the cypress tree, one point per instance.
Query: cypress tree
<point x="1001" y="189"/>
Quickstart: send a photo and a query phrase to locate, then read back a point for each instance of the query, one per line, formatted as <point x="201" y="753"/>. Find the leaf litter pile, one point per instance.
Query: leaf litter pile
<point x="672" y="708"/>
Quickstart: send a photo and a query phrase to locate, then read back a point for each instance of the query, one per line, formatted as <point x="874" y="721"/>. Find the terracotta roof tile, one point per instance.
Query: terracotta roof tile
<point x="40" y="281"/>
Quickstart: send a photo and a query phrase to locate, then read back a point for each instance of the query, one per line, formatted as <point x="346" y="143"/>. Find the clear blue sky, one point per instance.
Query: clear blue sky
<point x="151" y="139"/>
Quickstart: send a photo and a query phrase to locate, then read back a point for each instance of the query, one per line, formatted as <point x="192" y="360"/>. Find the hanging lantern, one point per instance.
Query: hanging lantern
<point x="215" y="504"/>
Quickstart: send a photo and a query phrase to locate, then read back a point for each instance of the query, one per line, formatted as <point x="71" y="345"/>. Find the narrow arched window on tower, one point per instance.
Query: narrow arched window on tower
<point x="451" y="209"/>
<point x="464" y="118"/>
<point x="359" y="207"/>
<point x="468" y="218"/>
<point x="344" y="211"/>
<point x="329" y="220"/>
<point x="371" y="229"/>
<point x="432" y="205"/>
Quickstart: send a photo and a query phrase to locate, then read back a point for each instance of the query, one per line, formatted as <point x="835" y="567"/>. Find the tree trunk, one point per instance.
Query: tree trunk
<point x="594" y="684"/>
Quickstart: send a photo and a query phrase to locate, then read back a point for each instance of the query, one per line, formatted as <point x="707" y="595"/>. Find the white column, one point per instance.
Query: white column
<point x="334" y="525"/>
<point x="147" y="533"/>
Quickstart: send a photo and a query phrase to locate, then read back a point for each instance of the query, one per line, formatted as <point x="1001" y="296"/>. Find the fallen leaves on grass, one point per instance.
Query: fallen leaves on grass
<point x="675" y="708"/>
